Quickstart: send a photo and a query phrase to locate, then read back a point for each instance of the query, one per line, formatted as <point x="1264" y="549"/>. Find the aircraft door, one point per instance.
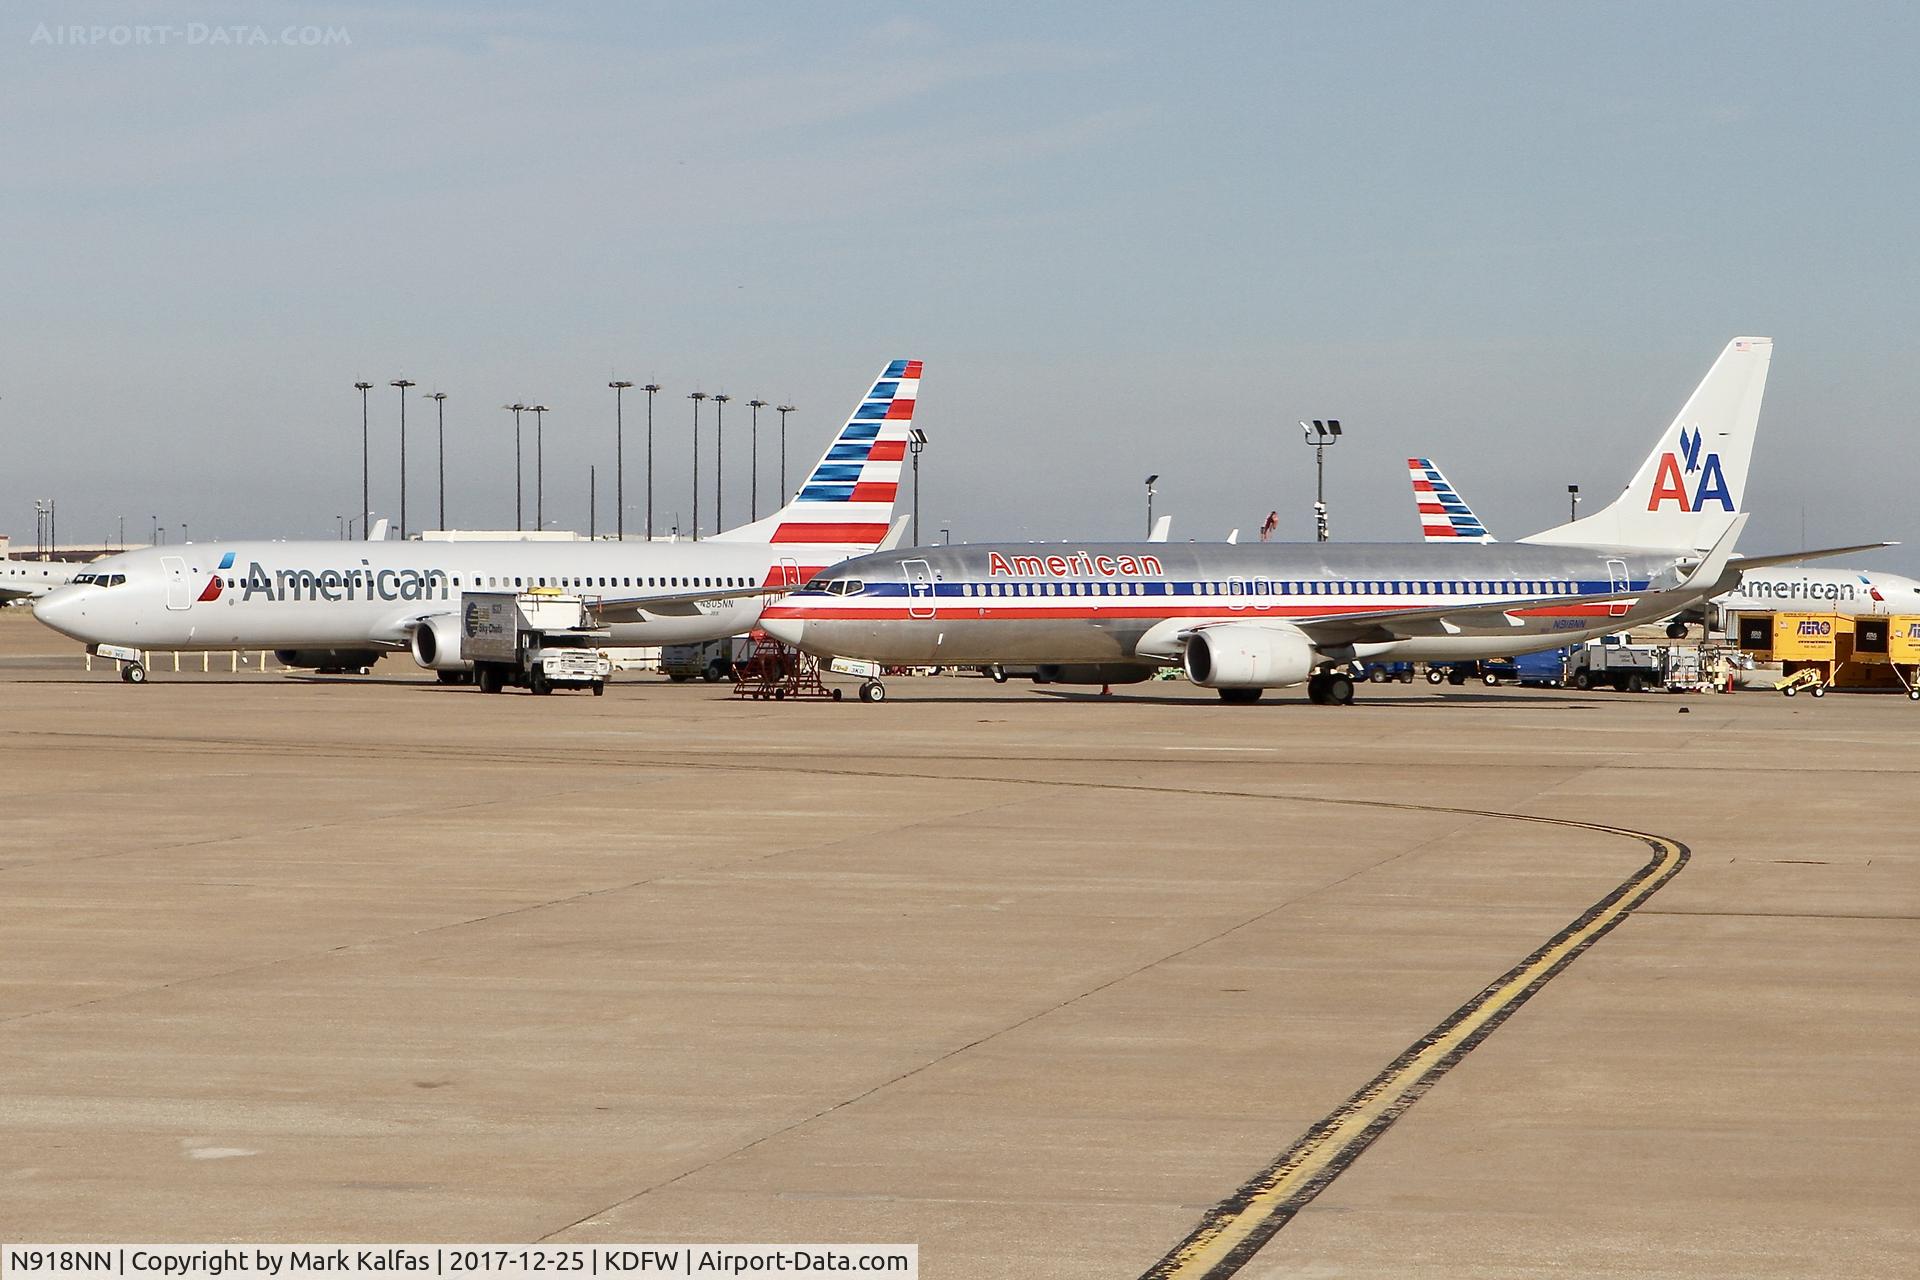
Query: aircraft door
<point x="1617" y="573"/>
<point x="1238" y="590"/>
<point x="175" y="570"/>
<point x="919" y="588"/>
<point x="789" y="572"/>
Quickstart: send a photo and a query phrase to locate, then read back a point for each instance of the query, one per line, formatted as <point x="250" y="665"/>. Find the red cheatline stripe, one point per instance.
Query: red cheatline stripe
<point x="825" y="533"/>
<point x="807" y="611"/>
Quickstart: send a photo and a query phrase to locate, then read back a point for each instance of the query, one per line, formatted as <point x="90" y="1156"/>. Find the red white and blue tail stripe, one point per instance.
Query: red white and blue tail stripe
<point x="1444" y="514"/>
<point x="847" y="499"/>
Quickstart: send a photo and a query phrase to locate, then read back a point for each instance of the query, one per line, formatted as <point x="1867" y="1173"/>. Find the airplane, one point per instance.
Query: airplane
<point x="31" y="579"/>
<point x="338" y="606"/>
<point x="1445" y="516"/>
<point x="1243" y="619"/>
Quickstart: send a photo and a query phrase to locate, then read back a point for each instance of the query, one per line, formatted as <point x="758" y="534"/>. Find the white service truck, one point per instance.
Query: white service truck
<point x="535" y="640"/>
<point x="1626" y="667"/>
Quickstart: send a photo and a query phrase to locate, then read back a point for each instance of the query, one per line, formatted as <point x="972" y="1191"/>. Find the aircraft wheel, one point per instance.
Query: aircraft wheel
<point x="998" y="672"/>
<point x="1317" y="690"/>
<point x="1819" y="691"/>
<point x="1339" y="691"/>
<point x="1435" y="675"/>
<point x="1239" y="695"/>
<point x="134" y="673"/>
<point x="873" y="691"/>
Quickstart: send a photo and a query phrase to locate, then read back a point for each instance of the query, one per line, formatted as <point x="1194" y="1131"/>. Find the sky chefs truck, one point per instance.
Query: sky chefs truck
<point x="539" y="640"/>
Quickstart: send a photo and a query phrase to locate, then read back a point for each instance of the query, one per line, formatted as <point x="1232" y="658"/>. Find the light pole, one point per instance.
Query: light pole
<point x="946" y="536"/>
<point x="1150" y="492"/>
<point x="1322" y="436"/>
<point x="519" y="519"/>
<point x="439" y="399"/>
<point x="402" y="384"/>
<point x="916" y="441"/>
<point x="1573" y="502"/>
<point x="696" y="397"/>
<point x="619" y="462"/>
<point x="719" y="457"/>
<point x="340" y="521"/>
<point x="651" y="389"/>
<point x="156" y="531"/>
<point x="539" y="412"/>
<point x="593" y="502"/>
<point x="366" y="499"/>
<point x="783" y="411"/>
<point x="753" y="490"/>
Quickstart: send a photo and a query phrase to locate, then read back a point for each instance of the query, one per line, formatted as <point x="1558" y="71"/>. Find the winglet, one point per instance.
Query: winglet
<point x="1161" y="528"/>
<point x="1714" y="564"/>
<point x="895" y="534"/>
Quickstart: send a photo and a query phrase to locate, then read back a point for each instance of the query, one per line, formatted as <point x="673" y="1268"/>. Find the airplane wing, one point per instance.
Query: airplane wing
<point x="1711" y="573"/>
<point x="684" y="605"/>
<point x="1795" y="557"/>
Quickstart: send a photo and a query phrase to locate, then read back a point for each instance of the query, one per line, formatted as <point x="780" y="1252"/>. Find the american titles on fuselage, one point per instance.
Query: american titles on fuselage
<point x="1074" y="564"/>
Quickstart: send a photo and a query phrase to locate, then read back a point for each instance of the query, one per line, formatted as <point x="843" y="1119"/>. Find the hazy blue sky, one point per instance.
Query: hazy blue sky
<point x="1125" y="238"/>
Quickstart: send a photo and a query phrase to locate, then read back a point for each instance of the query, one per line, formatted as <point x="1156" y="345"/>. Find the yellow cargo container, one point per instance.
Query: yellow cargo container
<point x="1812" y="637"/>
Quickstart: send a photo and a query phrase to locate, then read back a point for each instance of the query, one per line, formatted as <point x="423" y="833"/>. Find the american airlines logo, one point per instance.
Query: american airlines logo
<point x="1671" y="485"/>
<point x="335" y="585"/>
<point x="1076" y="565"/>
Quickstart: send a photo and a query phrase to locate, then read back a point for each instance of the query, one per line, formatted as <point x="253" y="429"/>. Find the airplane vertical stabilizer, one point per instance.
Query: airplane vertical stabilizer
<point x="1692" y="484"/>
<point x="847" y="499"/>
<point x="1444" y="514"/>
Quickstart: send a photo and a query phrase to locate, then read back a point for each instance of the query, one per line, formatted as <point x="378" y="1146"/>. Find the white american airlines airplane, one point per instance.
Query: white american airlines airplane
<point x="341" y="605"/>
<point x="1445" y="517"/>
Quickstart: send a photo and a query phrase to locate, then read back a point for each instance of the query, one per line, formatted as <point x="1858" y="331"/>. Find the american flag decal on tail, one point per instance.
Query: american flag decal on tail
<point x="1444" y="514"/>
<point x="848" y="497"/>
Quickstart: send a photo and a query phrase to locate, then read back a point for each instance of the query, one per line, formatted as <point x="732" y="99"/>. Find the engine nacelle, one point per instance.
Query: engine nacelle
<point x="1243" y="656"/>
<point x="436" y="644"/>
<point x="1091" y="673"/>
<point x="332" y="661"/>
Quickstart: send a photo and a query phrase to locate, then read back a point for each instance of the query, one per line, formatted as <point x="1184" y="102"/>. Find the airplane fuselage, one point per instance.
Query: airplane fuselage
<point x="369" y="595"/>
<point x="1126" y="603"/>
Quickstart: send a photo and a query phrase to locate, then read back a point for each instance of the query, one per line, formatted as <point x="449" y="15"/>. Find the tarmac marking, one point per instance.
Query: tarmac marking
<point x="1231" y="1232"/>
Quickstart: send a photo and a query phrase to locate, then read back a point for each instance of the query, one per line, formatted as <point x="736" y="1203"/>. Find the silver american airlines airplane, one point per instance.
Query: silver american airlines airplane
<point x="340" y="605"/>
<point x="1242" y="619"/>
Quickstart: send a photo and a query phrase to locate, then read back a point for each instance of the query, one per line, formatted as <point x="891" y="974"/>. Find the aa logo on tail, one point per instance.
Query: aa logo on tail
<point x="1670" y="484"/>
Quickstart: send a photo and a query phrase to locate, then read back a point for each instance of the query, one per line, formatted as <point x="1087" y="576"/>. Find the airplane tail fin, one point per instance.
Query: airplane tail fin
<point x="1689" y="488"/>
<point x="847" y="499"/>
<point x="1444" y="514"/>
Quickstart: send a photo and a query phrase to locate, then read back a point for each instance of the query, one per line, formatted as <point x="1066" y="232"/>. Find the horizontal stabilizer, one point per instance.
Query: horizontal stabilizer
<point x="1796" y="557"/>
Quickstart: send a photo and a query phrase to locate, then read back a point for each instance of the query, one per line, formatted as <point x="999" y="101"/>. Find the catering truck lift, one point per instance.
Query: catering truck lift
<point x="540" y="640"/>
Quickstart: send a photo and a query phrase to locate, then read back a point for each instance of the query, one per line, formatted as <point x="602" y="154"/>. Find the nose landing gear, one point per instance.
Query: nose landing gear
<point x="133" y="672"/>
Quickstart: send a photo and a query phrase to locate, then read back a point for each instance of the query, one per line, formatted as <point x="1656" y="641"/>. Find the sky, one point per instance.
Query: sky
<point x="1125" y="238"/>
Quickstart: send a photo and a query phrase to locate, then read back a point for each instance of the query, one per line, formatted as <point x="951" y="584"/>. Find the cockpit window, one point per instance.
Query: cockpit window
<point x="846" y="587"/>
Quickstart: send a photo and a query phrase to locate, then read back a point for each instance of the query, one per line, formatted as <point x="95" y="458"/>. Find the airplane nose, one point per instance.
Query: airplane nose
<point x="56" y="609"/>
<point x="785" y="630"/>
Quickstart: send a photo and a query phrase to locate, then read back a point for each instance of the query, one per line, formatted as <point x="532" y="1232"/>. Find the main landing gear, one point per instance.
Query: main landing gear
<point x="1330" y="689"/>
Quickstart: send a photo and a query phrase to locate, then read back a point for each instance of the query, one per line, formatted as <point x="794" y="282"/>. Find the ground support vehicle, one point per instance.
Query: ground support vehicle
<point x="536" y="640"/>
<point x="710" y="660"/>
<point x="1626" y="667"/>
<point x="1382" y="672"/>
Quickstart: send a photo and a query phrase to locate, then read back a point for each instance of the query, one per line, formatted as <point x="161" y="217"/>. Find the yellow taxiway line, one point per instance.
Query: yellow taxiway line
<point x="1234" y="1230"/>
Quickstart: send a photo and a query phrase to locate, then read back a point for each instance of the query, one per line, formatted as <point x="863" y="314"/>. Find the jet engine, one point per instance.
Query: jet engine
<point x="436" y="644"/>
<point x="327" y="661"/>
<point x="1241" y="656"/>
